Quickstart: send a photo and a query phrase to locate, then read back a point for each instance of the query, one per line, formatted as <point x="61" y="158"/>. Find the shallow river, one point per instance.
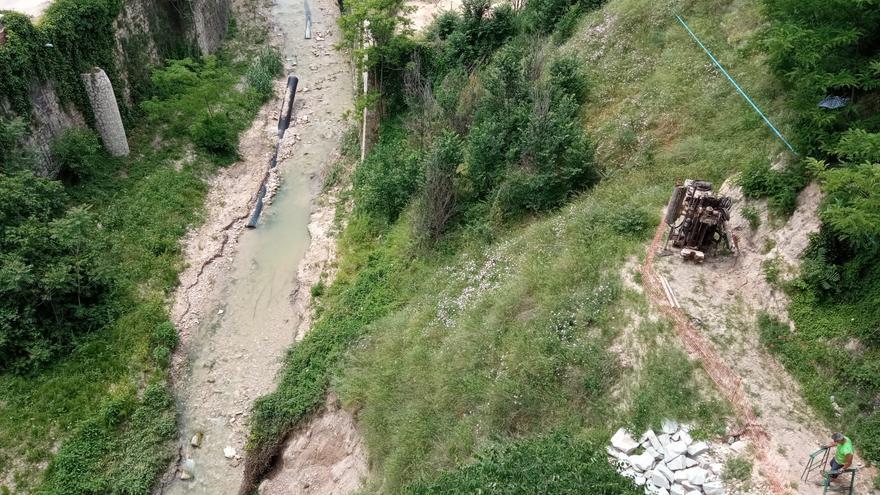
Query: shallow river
<point x="236" y="348"/>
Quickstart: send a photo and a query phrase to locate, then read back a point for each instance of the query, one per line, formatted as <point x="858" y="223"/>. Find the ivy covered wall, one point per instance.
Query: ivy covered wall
<point x="41" y="60"/>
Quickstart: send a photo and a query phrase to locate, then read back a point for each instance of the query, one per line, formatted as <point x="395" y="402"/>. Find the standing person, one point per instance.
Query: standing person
<point x="843" y="455"/>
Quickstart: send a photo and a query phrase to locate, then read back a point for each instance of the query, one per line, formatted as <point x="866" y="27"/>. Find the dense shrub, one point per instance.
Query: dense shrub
<point x="550" y="464"/>
<point x="53" y="281"/>
<point x="476" y="33"/>
<point x="13" y="156"/>
<point x="76" y="153"/>
<point x="438" y="202"/>
<point x="780" y="187"/>
<point x="567" y="78"/>
<point x="555" y="159"/>
<point x="542" y="16"/>
<point x="216" y="133"/>
<point x="820" y="48"/>
<point x="387" y="179"/>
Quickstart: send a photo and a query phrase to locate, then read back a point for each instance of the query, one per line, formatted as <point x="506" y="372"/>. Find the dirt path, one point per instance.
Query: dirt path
<point x="244" y="298"/>
<point x="720" y="300"/>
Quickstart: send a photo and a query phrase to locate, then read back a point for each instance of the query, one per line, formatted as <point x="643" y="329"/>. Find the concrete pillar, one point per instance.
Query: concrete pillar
<point x="107" y="118"/>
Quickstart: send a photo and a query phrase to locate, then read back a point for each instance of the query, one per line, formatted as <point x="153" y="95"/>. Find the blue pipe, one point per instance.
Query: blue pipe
<point x="737" y="86"/>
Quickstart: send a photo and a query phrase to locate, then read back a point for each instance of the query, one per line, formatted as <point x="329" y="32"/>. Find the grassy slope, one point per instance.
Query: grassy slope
<point x="105" y="406"/>
<point x="512" y="338"/>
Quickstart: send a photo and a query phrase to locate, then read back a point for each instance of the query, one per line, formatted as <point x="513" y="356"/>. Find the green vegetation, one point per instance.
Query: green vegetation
<point x="738" y="469"/>
<point x="72" y="37"/>
<point x="554" y="464"/>
<point x="821" y="49"/>
<point x="668" y="390"/>
<point x="499" y="330"/>
<point x="750" y="213"/>
<point x="88" y="262"/>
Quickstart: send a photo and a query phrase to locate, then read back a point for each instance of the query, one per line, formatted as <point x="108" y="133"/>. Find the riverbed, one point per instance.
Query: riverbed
<point x="241" y="302"/>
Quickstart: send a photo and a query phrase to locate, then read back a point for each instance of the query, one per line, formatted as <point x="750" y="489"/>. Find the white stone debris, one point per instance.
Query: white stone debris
<point x="228" y="452"/>
<point x="623" y="442"/>
<point x="671" y="462"/>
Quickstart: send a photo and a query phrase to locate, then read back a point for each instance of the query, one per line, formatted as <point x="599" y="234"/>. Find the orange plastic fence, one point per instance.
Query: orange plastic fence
<point x="728" y="382"/>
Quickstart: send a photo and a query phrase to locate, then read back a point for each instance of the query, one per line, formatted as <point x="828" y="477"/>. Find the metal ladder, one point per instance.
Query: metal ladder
<point x="815" y="468"/>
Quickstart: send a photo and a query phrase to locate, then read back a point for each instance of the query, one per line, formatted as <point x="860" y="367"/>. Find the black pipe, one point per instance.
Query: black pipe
<point x="283" y="124"/>
<point x="258" y="208"/>
<point x="287" y="105"/>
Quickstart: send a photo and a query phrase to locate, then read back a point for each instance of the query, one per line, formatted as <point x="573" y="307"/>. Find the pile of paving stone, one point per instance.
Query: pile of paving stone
<point x="668" y="463"/>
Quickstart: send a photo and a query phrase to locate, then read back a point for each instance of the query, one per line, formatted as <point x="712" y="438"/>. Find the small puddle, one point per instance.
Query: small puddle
<point x="243" y="332"/>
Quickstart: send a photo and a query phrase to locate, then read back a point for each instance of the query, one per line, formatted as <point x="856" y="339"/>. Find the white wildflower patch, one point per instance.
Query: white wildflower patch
<point x="478" y="279"/>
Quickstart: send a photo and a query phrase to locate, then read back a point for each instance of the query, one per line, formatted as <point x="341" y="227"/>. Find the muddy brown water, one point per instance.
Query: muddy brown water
<point x="237" y="333"/>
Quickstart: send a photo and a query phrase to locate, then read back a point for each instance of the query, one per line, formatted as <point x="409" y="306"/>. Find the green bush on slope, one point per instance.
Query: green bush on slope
<point x="554" y="464"/>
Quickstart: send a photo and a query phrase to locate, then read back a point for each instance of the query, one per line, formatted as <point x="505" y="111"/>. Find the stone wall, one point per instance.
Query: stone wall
<point x="146" y="32"/>
<point x="210" y="20"/>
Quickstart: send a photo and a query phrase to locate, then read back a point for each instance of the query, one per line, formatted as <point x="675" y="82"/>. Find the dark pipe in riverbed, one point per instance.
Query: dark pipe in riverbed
<point x="283" y="124"/>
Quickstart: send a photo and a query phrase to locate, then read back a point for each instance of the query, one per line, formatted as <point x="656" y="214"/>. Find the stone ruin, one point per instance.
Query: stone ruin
<point x="697" y="220"/>
<point x="669" y="463"/>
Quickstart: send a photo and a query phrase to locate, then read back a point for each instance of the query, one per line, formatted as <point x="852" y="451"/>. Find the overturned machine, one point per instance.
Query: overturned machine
<point x="697" y="220"/>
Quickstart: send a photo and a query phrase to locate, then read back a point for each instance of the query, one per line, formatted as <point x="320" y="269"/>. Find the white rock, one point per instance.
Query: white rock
<point x="613" y="452"/>
<point x="685" y="437"/>
<point x="662" y="491"/>
<point x="696" y="476"/>
<point x="677" y="463"/>
<point x="187" y="469"/>
<point x="652" y="439"/>
<point x="695" y="492"/>
<point x="681" y="475"/>
<point x="677" y="490"/>
<point x="717" y="468"/>
<point x="659" y="479"/>
<point x="697" y="448"/>
<point x="629" y="473"/>
<point x="665" y="471"/>
<point x="688" y="487"/>
<point x="642" y="462"/>
<point x="677" y="448"/>
<point x="664" y="439"/>
<point x="228" y="452"/>
<point x="640" y="480"/>
<point x="713" y="488"/>
<point x="654" y="453"/>
<point x="669" y="426"/>
<point x="196" y="439"/>
<point x="623" y="442"/>
<point x="738" y="446"/>
<point x="688" y="462"/>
